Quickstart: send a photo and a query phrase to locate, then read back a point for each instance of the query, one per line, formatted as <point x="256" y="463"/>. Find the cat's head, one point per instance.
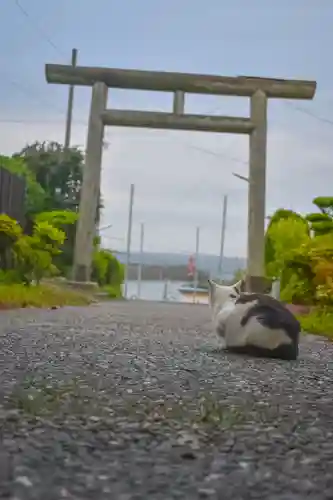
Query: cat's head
<point x="219" y="295"/>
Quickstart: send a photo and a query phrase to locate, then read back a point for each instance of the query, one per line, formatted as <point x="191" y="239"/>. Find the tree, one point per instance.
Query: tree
<point x="58" y="172"/>
<point x="35" y="194"/>
<point x="270" y="240"/>
<point x="322" y="223"/>
<point x="285" y="236"/>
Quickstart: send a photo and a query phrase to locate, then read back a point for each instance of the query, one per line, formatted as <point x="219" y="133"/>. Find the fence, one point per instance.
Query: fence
<point x="12" y="195"/>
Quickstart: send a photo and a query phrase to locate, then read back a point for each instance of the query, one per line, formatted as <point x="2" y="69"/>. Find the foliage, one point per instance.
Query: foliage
<point x="58" y="171"/>
<point x="318" y="321"/>
<point x="107" y="271"/>
<point x="300" y="252"/>
<point x="306" y="270"/>
<point x="58" y="218"/>
<point x="284" y="235"/>
<point x="54" y="179"/>
<point x="66" y="221"/>
<point x="325" y="204"/>
<point x="18" y="295"/>
<point x="35" y="194"/>
<point x="322" y="223"/>
<point x="34" y="254"/>
<point x="280" y="215"/>
<point x="10" y="231"/>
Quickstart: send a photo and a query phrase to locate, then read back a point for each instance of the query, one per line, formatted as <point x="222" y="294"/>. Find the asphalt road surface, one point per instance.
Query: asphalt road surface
<point x="130" y="400"/>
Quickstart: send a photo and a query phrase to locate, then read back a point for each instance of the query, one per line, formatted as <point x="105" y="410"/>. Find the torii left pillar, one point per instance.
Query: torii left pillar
<point x="90" y="188"/>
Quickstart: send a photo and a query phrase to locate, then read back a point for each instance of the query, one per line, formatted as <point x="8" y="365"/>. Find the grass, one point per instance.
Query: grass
<point x="318" y="322"/>
<point x="42" y="296"/>
<point x="205" y="411"/>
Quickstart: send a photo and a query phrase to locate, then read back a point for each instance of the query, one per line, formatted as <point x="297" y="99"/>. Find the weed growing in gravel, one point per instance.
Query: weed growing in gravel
<point x="212" y="412"/>
<point x="43" y="397"/>
<point x="205" y="411"/>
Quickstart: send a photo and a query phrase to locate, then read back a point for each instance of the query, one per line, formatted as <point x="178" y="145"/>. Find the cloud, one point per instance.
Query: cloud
<point x="179" y="185"/>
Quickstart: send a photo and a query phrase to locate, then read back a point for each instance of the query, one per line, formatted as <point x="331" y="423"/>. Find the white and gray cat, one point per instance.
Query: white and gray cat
<point x="253" y="323"/>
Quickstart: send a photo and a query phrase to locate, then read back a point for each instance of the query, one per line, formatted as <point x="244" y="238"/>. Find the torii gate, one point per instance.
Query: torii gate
<point x="257" y="89"/>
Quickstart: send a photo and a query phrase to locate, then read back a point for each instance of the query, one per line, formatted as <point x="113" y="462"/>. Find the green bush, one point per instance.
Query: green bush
<point x="108" y="272"/>
<point x="10" y="232"/>
<point x="66" y="221"/>
<point x="58" y="218"/>
<point x="40" y="255"/>
<point x="34" y="254"/>
<point x="318" y="321"/>
<point x="31" y="256"/>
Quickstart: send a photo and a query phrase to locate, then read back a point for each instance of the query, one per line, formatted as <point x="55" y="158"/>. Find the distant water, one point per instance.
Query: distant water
<point x="154" y="290"/>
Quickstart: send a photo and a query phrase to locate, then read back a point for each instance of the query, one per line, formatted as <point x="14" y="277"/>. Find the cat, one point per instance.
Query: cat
<point x="253" y="323"/>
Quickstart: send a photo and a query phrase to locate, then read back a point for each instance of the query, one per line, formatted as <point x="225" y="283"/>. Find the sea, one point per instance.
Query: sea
<point x="155" y="290"/>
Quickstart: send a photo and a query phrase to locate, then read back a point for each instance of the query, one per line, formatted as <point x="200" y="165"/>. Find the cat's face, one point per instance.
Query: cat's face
<point x="220" y="295"/>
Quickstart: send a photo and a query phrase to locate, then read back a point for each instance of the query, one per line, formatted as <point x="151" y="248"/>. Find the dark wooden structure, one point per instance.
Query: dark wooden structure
<point x="12" y="195"/>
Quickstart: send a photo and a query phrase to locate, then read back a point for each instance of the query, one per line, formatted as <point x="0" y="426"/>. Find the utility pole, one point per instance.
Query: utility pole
<point x="142" y="232"/>
<point x="70" y="105"/>
<point x="129" y="238"/>
<point x="223" y="229"/>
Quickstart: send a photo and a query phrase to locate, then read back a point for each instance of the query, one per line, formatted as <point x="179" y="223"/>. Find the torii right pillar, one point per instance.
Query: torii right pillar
<point x="255" y="279"/>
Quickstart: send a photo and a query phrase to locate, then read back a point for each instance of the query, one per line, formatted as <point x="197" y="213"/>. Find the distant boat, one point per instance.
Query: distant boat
<point x="191" y="288"/>
<point x="190" y="293"/>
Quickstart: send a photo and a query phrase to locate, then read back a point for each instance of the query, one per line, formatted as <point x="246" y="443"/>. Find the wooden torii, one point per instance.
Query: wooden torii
<point x="259" y="90"/>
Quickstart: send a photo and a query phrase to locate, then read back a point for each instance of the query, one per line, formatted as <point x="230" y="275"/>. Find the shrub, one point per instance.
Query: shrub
<point x="58" y="218"/>
<point x="283" y="237"/>
<point x="66" y="221"/>
<point x="10" y="232"/>
<point x="107" y="271"/>
<point x="34" y="254"/>
<point x="307" y="276"/>
<point x="318" y="322"/>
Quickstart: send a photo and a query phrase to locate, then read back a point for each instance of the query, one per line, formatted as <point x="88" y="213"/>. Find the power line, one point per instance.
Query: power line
<point x="38" y="122"/>
<point x="36" y="26"/>
<point x="309" y="113"/>
<point x="218" y="154"/>
<point x="18" y="85"/>
<point x="30" y="92"/>
<point x="46" y="37"/>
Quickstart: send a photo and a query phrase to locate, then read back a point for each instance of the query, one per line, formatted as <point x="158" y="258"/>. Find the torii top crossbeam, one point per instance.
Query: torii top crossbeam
<point x="185" y="82"/>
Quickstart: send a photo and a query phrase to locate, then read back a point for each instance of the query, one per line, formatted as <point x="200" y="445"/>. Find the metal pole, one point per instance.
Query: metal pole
<point x="196" y="273"/>
<point x="70" y="105"/>
<point x="129" y="237"/>
<point x="223" y="229"/>
<point x="142" y="233"/>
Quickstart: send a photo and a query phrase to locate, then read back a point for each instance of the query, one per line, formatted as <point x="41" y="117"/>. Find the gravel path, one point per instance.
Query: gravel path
<point x="133" y="401"/>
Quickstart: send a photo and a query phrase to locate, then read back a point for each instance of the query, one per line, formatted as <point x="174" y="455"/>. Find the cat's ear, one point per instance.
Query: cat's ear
<point x="239" y="286"/>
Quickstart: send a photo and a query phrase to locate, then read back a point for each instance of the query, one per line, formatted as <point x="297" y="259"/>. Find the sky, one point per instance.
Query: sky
<point x="180" y="178"/>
